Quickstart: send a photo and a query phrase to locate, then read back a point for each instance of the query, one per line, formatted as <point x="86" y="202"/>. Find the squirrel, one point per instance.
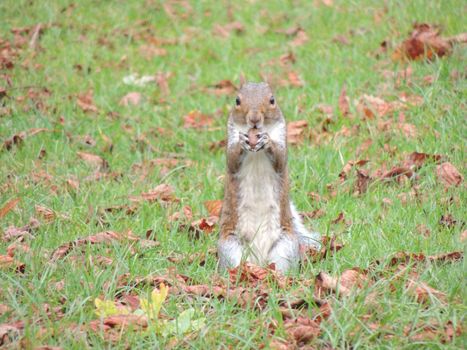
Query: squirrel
<point x="258" y="222"/>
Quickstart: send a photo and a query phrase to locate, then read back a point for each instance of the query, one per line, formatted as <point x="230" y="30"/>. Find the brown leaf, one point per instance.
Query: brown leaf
<point x="197" y="120"/>
<point x="131" y="98"/>
<point x="10" y="332"/>
<point x="46" y="213"/>
<point x="348" y="167"/>
<point x="254" y="275"/>
<point x="214" y="207"/>
<point x="329" y="247"/>
<point x="416" y="160"/>
<point x="424" y="230"/>
<point x="294" y="79"/>
<point x="425" y="42"/>
<point x="224" y="87"/>
<point x="344" y="105"/>
<point x="186" y="213"/>
<point x="224" y="31"/>
<point x="20" y="233"/>
<point x="86" y="103"/>
<point x="121" y="322"/>
<point x="7" y="262"/>
<point x="101" y="237"/>
<point x="349" y="280"/>
<point x="10" y="205"/>
<point x="448" y="220"/>
<point x="314" y="214"/>
<point x="463" y="236"/>
<point x="404" y="258"/>
<point x="163" y="193"/>
<point x="300" y="38"/>
<point x="206" y="225"/>
<point x="162" y="80"/>
<point x="302" y="330"/>
<point x="424" y="292"/>
<point x="363" y="180"/>
<point x="448" y="175"/>
<point x="149" y="51"/>
<point x="295" y="131"/>
<point x="94" y="160"/>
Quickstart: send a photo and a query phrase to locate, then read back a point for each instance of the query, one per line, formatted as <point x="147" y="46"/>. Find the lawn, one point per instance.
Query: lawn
<point x="105" y="177"/>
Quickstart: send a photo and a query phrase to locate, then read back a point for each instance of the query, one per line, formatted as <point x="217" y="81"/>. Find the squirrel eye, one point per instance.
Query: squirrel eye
<point x="272" y="100"/>
<point x="237" y="101"/>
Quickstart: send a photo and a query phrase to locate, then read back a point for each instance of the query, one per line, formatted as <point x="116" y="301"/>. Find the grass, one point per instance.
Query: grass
<point x="103" y="38"/>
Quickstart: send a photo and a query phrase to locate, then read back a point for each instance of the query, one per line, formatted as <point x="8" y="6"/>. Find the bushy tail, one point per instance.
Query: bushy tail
<point x="305" y="237"/>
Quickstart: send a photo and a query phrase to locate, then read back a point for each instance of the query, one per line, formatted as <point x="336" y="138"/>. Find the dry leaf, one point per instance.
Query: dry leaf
<point x="448" y="175"/>
<point x="224" y="87"/>
<point x="86" y="103"/>
<point x="344" y="105"/>
<point x="132" y="98"/>
<point x="197" y="120"/>
<point x="10" y="205"/>
<point x="425" y="42"/>
<point x="214" y="207"/>
<point x="163" y="193"/>
<point x="94" y="160"/>
<point x="295" y="131"/>
<point x="46" y="213"/>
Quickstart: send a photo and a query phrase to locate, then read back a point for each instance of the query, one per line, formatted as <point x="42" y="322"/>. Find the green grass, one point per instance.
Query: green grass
<point x="104" y="39"/>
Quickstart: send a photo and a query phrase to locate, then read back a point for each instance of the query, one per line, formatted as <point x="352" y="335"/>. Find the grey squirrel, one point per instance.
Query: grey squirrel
<point x="259" y="223"/>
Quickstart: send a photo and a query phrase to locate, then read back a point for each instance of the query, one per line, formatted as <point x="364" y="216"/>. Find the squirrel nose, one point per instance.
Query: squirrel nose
<point x="255" y="119"/>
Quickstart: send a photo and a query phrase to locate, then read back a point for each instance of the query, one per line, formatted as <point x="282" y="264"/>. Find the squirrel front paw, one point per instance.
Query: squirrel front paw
<point x="244" y="142"/>
<point x="263" y="142"/>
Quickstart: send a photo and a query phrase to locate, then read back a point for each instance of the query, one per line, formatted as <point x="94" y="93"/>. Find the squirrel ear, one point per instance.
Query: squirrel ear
<point x="242" y="79"/>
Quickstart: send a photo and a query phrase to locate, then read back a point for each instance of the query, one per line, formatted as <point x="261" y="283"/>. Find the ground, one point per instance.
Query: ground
<point x="83" y="145"/>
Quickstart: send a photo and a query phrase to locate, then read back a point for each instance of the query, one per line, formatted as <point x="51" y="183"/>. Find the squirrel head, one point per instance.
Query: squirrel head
<point x="255" y="106"/>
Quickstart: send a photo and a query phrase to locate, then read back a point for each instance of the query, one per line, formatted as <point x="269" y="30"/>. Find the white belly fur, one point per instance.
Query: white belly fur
<point x="258" y="207"/>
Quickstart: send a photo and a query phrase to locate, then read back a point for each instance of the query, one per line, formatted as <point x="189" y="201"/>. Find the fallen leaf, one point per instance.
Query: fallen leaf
<point x="197" y="120"/>
<point x="20" y="233"/>
<point x="448" y="175"/>
<point x="101" y="237"/>
<point x="10" y="332"/>
<point x="10" y="205"/>
<point x="46" y="213"/>
<point x="86" y="103"/>
<point x="302" y="330"/>
<point x="186" y="213"/>
<point x="424" y="292"/>
<point x="132" y="98"/>
<point x="349" y="166"/>
<point x="163" y="193"/>
<point x="363" y="180"/>
<point x="349" y="280"/>
<point x="224" y="87"/>
<point x="425" y="42"/>
<point x="344" y="105"/>
<point x="206" y="225"/>
<point x="7" y="262"/>
<point x="225" y="30"/>
<point x="294" y="79"/>
<point x="214" y="207"/>
<point x="424" y="230"/>
<point x="94" y="160"/>
<point x="295" y="131"/>
<point x="300" y="39"/>
<point x="448" y="220"/>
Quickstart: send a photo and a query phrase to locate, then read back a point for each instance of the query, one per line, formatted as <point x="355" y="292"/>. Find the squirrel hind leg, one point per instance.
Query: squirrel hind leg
<point x="305" y="237"/>
<point x="285" y="253"/>
<point x="229" y="250"/>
